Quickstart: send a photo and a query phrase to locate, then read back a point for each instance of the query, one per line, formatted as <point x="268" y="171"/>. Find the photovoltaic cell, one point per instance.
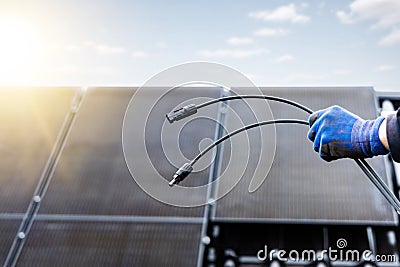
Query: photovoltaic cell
<point x="8" y="230"/>
<point x="300" y="187"/>
<point x="110" y="244"/>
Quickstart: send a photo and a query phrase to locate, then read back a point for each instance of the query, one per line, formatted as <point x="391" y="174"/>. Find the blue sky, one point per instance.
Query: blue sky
<point x="124" y="43"/>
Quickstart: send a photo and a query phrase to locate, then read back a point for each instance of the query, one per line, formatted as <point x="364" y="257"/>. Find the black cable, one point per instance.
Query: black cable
<point x="375" y="179"/>
<point x="191" y="109"/>
<point x="266" y="97"/>
<point x="186" y="169"/>
<point x="229" y="135"/>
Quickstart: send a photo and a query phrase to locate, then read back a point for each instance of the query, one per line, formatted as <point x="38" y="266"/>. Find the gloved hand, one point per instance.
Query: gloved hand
<point x="338" y="133"/>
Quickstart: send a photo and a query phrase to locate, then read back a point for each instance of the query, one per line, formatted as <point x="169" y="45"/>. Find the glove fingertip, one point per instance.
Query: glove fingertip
<point x="313" y="117"/>
<point x="311" y="135"/>
<point x="325" y="153"/>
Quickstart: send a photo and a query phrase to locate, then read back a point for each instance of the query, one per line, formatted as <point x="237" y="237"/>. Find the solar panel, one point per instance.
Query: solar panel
<point x="94" y="213"/>
<point x="57" y="243"/>
<point x="8" y="230"/>
<point x="92" y="176"/>
<point x="300" y="187"/>
<point x="92" y="191"/>
<point x="30" y="120"/>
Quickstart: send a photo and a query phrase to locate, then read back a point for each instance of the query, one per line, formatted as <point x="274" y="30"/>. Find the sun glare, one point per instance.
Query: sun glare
<point x="18" y="50"/>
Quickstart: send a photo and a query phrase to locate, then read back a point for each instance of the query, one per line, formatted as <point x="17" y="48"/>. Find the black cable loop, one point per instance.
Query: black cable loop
<point x="364" y="166"/>
<point x="229" y="135"/>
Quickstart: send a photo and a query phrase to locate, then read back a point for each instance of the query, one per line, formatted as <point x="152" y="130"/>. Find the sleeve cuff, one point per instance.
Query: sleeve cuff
<point x="393" y="135"/>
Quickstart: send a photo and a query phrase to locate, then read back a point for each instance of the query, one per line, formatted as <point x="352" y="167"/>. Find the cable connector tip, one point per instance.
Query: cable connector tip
<point x="181" y="174"/>
<point x="173" y="182"/>
<point x="181" y="113"/>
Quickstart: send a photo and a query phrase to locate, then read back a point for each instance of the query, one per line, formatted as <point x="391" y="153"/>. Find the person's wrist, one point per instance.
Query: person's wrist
<point x="369" y="139"/>
<point x="383" y="135"/>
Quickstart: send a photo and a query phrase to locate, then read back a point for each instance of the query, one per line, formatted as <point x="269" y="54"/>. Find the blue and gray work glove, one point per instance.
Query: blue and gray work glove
<point x="338" y="133"/>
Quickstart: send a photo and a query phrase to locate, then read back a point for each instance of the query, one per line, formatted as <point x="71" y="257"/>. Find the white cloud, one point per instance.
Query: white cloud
<point x="106" y="49"/>
<point x="269" y="32"/>
<point x="232" y="53"/>
<point x="344" y="17"/>
<point x="391" y="39"/>
<point x="386" y="12"/>
<point x="239" y="41"/>
<point x="286" y="57"/>
<point x="384" y="68"/>
<point x="139" y="54"/>
<point x="286" y="13"/>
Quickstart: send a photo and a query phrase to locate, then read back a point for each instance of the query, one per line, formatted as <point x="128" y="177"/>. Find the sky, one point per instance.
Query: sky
<point x="274" y="43"/>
